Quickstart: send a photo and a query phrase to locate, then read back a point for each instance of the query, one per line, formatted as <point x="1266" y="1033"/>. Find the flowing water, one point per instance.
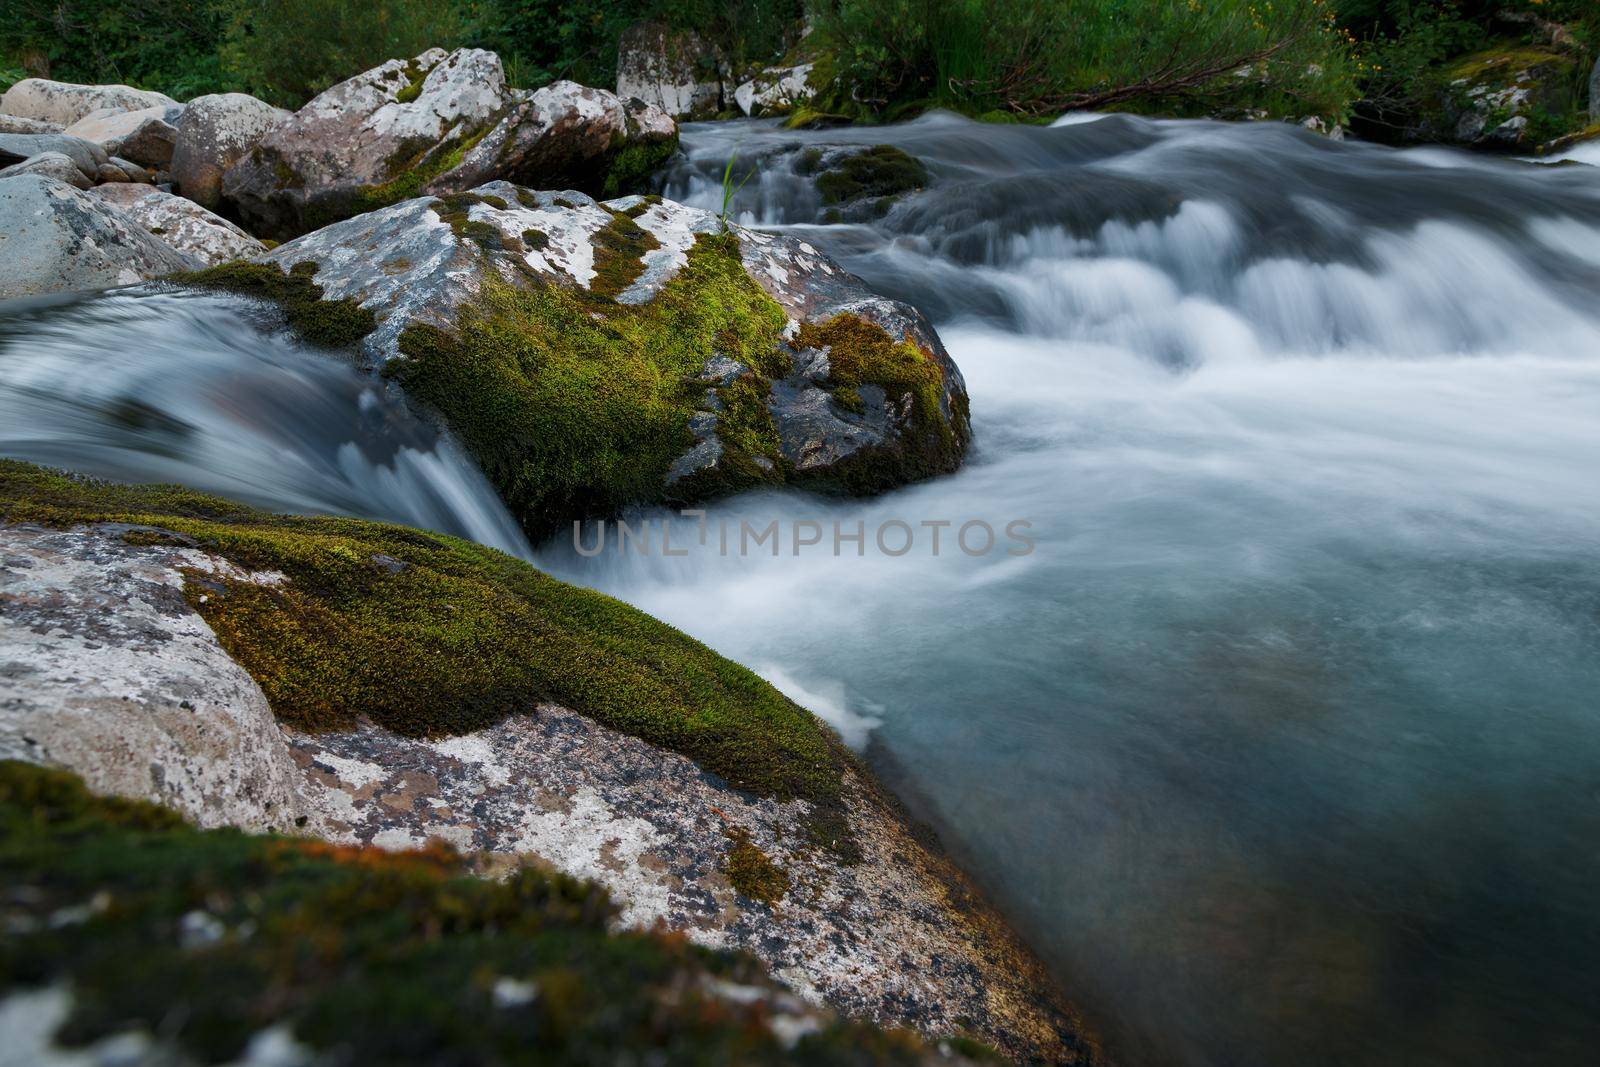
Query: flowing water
<point x="1282" y="746"/>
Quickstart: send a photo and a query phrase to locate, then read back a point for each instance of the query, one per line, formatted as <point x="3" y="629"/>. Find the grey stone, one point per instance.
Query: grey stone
<point x="50" y="165"/>
<point x="55" y="238"/>
<point x="65" y="103"/>
<point x="679" y="72"/>
<point x="215" y="133"/>
<point x="18" y="124"/>
<point x="16" y="147"/>
<point x="144" y="136"/>
<point x="181" y="223"/>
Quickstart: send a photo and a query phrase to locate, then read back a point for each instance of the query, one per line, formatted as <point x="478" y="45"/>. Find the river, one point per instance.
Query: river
<point x="1282" y="745"/>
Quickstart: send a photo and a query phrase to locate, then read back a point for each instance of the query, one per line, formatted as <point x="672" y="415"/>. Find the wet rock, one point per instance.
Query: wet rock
<point x="65" y="103"/>
<point x="189" y="228"/>
<point x="679" y="72"/>
<point x="107" y="671"/>
<point x="144" y="136"/>
<point x="54" y="165"/>
<point x="214" y="133"/>
<point x="440" y="122"/>
<point x="55" y="238"/>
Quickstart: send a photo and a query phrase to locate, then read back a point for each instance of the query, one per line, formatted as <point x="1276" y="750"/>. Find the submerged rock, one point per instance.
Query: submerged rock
<point x="65" y="103"/>
<point x="788" y="368"/>
<point x="436" y="123"/>
<point x="214" y="133"/>
<point x="186" y="226"/>
<point x="55" y="238"/>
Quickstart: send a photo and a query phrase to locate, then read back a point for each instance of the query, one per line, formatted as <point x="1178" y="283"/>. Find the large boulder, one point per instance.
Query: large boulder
<point x="440" y="122"/>
<point x="64" y="103"/>
<point x="214" y="133"/>
<point x="145" y="136"/>
<point x="86" y="155"/>
<point x="782" y="367"/>
<point x="181" y="223"/>
<point x="52" y="165"/>
<point x="54" y="238"/>
<point x="679" y="72"/>
<point x="777" y="90"/>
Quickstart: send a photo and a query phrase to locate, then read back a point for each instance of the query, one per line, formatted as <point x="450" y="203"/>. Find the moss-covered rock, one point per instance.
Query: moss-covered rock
<point x="438" y="123"/>
<point x="1508" y="96"/>
<point x="431" y="636"/>
<point x="594" y="356"/>
<point x="120" y="918"/>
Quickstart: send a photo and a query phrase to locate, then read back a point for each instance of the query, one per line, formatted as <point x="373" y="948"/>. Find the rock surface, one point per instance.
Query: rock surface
<point x="214" y="133"/>
<point x="679" y="72"/>
<point x="439" y="122"/>
<point x="65" y="103"/>
<point x="408" y="265"/>
<point x="1492" y="97"/>
<point x="145" y="136"/>
<point x="18" y="124"/>
<point x="107" y="670"/>
<point x="54" y="238"/>
<point x="776" y="90"/>
<point x="18" y="147"/>
<point x="118" y="679"/>
<point x="189" y="228"/>
<point x="57" y="166"/>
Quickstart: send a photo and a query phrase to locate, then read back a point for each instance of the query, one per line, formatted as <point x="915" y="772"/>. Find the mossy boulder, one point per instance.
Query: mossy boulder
<point x="212" y="946"/>
<point x="437" y="123"/>
<point x="596" y="355"/>
<point x="856" y="183"/>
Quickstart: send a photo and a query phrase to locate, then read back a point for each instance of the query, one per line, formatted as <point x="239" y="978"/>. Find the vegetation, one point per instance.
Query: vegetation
<point x="429" y="635"/>
<point x="206" y="938"/>
<point x="335" y="323"/>
<point x="752" y="872"/>
<point x="1409" y="52"/>
<point x="1042" y="57"/>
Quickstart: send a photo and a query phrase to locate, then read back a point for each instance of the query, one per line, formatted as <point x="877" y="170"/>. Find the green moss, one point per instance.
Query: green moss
<point x="412" y="169"/>
<point x="537" y="240"/>
<point x="365" y="956"/>
<point x="577" y="406"/>
<point x="751" y="871"/>
<point x="415" y="76"/>
<point x="454" y="208"/>
<point x="335" y="323"/>
<point x="458" y="639"/>
<point x="619" y="251"/>
<point x="632" y="164"/>
<point x="861" y="353"/>
<point x="872" y="173"/>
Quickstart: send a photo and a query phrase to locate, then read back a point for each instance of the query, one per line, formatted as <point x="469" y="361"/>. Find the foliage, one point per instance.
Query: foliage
<point x="1409" y="50"/>
<point x="541" y="40"/>
<point x="168" y="45"/>
<point x="286" y="51"/>
<point x="208" y="937"/>
<point x="1036" y="57"/>
<point x="429" y="635"/>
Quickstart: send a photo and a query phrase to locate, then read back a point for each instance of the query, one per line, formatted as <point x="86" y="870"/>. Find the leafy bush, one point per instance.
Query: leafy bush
<point x="169" y="45"/>
<point x="1036" y="57"/>
<point x="287" y="51"/>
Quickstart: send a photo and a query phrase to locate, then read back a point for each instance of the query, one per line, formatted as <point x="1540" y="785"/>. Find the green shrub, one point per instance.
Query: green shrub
<point x="1036" y="57"/>
<point x="287" y="51"/>
<point x="166" y="45"/>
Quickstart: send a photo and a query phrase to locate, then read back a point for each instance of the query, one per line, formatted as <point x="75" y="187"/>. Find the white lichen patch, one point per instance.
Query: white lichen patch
<point x="109" y="672"/>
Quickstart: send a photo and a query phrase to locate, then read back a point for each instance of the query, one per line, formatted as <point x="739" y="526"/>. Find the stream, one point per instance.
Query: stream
<point x="1282" y="744"/>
